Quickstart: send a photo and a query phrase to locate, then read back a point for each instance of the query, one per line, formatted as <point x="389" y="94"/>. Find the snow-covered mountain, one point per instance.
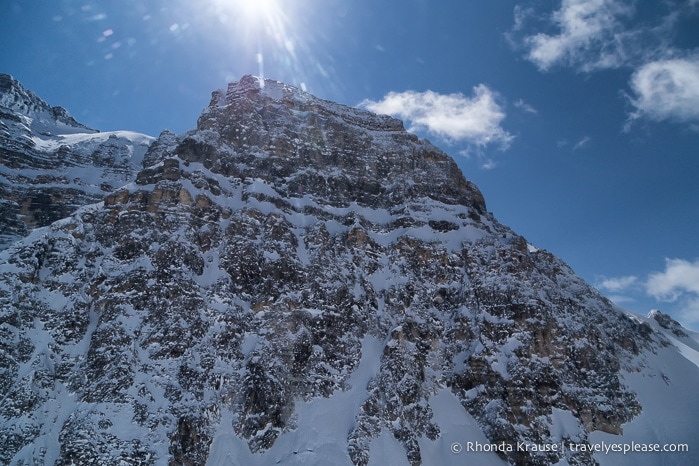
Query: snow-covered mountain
<point x="299" y="282"/>
<point x="50" y="164"/>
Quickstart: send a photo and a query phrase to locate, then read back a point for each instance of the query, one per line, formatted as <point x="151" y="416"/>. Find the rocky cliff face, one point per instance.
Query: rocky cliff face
<point x="291" y="260"/>
<point x="50" y="164"/>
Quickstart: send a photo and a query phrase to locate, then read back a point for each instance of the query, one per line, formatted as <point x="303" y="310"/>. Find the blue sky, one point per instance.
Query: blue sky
<point x="578" y="119"/>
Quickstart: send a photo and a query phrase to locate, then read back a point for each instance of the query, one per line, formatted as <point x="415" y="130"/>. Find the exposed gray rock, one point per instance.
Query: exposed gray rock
<point x="667" y="322"/>
<point x="50" y="164"/>
<point x="241" y="274"/>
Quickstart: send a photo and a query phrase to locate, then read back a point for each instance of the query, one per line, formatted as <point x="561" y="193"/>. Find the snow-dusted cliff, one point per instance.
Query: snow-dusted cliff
<point x="299" y="282"/>
<point x="50" y="164"/>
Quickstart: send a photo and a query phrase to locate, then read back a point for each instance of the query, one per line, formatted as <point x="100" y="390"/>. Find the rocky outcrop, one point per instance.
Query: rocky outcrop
<point x="17" y="102"/>
<point x="242" y="275"/>
<point x="51" y="165"/>
<point x="668" y="323"/>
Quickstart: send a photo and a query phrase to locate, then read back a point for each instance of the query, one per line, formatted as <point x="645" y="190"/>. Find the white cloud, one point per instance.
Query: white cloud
<point x="620" y="290"/>
<point x="690" y="312"/>
<point x="617" y="289"/>
<point x="677" y="287"/>
<point x="581" y="143"/>
<point x="617" y="284"/>
<point x="621" y="299"/>
<point x="679" y="283"/>
<point x="522" y="105"/>
<point x="590" y="35"/>
<point x="488" y="164"/>
<point x="455" y="117"/>
<point x="667" y="90"/>
<point x="680" y="277"/>
<point x="521" y="15"/>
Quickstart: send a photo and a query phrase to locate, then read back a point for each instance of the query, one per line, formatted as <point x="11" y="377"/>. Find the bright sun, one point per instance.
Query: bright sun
<point x="259" y="9"/>
<point x="270" y="31"/>
<point x="252" y="14"/>
<point x="263" y="24"/>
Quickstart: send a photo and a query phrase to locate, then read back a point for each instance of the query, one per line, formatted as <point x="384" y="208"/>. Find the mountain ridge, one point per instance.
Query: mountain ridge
<point x="287" y="258"/>
<point x="51" y="164"/>
<point x="14" y="97"/>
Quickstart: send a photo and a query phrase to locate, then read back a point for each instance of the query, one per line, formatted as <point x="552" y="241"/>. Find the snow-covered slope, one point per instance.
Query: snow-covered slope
<point x="50" y="164"/>
<point x="299" y="282"/>
<point x="665" y="381"/>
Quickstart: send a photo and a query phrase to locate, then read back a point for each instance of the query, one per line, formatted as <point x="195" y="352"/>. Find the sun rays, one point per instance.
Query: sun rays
<point x="271" y="31"/>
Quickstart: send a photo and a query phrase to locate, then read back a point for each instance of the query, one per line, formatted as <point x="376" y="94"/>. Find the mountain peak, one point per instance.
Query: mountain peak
<point x="304" y="145"/>
<point x="41" y="116"/>
<point x="292" y="257"/>
<point x="51" y="164"/>
<point x="264" y="92"/>
<point x="276" y="90"/>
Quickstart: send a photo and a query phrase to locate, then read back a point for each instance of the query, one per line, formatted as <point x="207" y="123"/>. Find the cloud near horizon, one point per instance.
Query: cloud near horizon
<point x="680" y="276"/>
<point x="679" y="282"/>
<point x="677" y="285"/>
<point x="617" y="284"/>
<point x="619" y="290"/>
<point x="454" y="117"/>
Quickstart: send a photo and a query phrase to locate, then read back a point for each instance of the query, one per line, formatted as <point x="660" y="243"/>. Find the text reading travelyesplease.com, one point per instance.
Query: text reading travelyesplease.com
<point x="603" y="447"/>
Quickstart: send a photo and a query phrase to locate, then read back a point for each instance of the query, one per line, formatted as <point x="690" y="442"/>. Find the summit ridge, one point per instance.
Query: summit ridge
<point x="294" y="281"/>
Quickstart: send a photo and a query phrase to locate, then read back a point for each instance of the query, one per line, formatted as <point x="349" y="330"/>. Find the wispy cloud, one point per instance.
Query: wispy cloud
<point x="486" y="162"/>
<point x="690" y="311"/>
<point x="676" y="287"/>
<point x="667" y="90"/>
<point x="621" y="299"/>
<point x="522" y="105"/>
<point x="581" y="143"/>
<point x="679" y="282"/>
<point x="475" y="120"/>
<point x="616" y="284"/>
<point x="620" y="290"/>
<point x="589" y="35"/>
<point x="680" y="276"/>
